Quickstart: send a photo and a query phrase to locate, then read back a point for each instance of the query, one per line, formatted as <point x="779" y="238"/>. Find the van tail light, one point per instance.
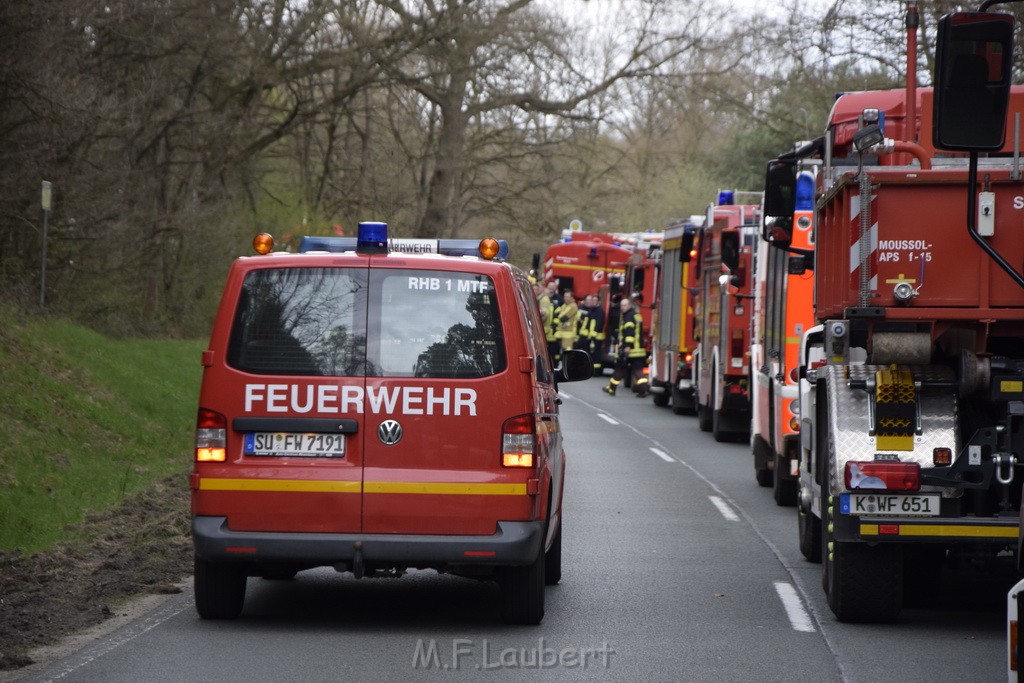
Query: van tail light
<point x="211" y="436"/>
<point x="518" y="441"/>
<point x="883" y="475"/>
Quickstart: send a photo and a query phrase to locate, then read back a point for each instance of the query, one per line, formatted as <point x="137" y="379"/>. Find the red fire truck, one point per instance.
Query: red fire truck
<point x="607" y="265"/>
<point x="673" y="343"/>
<point x="912" y="383"/>
<point x="726" y="281"/>
<point x="783" y="311"/>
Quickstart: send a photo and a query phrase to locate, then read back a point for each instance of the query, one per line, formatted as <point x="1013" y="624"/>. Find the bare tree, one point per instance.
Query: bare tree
<point x="492" y="56"/>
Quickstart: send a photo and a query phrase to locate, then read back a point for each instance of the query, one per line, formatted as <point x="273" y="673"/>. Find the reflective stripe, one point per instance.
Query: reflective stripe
<point x="300" y="485"/>
<point x="944" y="530"/>
<point x="445" y="488"/>
<point x="320" y="486"/>
<point x="570" y="266"/>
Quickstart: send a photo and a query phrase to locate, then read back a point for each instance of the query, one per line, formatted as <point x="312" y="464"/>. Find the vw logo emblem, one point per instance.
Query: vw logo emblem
<point x="389" y="432"/>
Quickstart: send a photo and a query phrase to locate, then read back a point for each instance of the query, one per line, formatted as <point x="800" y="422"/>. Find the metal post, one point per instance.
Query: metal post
<point x="47" y="199"/>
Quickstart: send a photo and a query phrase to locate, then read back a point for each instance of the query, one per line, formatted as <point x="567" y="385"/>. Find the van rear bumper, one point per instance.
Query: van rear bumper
<point x="514" y="543"/>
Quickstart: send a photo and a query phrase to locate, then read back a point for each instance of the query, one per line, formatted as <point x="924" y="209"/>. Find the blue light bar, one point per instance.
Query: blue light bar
<point x="446" y="247"/>
<point x="372" y="238"/>
<point x="335" y="245"/>
<point x="725" y="198"/>
<point x="804" y="191"/>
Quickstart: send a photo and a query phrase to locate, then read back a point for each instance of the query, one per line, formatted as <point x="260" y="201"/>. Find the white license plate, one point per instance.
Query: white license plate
<point x="886" y="504"/>
<point x="285" y="444"/>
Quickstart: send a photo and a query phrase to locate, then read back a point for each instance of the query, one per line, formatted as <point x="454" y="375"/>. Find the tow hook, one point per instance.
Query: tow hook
<point x="359" y="568"/>
<point x="1010" y="461"/>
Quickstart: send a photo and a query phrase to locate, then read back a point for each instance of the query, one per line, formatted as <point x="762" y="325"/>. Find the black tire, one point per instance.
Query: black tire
<point x="784" y="490"/>
<point x="764" y="475"/>
<point x="864" y="584"/>
<point x="553" y="560"/>
<point x="219" y="589"/>
<point x="661" y="400"/>
<point x="809" y="527"/>
<point x="721" y="436"/>
<point x="522" y="592"/>
<point x="704" y="418"/>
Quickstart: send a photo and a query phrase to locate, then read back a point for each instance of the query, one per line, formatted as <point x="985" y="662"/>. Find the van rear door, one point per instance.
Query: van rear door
<point x="293" y="385"/>
<point x="442" y="387"/>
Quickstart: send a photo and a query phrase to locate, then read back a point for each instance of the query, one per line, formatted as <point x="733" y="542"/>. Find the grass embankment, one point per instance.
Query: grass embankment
<point x="85" y="421"/>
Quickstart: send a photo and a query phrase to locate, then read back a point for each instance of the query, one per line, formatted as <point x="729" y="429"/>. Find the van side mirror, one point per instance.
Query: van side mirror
<point x="576" y="365"/>
<point x="972" y="81"/>
<point x="779" y="201"/>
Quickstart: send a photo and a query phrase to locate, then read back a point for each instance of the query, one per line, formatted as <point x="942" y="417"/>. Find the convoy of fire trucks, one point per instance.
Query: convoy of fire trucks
<point x="863" y="322"/>
<point x="608" y="265"/>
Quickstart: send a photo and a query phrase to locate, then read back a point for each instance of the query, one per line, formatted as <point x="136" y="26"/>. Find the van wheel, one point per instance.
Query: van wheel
<point x="522" y="592"/>
<point x="553" y="560"/>
<point x="219" y="589"/>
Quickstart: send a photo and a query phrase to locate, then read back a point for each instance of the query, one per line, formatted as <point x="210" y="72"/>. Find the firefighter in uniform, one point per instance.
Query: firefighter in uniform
<point x="547" y="318"/>
<point x="584" y="326"/>
<point x="594" y="330"/>
<point x="632" y="356"/>
<point x="566" y="319"/>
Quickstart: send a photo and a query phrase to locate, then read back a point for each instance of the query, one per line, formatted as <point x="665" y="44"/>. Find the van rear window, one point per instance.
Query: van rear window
<point x="353" y="322"/>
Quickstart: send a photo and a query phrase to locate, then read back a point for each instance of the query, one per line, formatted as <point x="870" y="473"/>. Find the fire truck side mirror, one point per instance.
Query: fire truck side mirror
<point x="779" y="201"/>
<point x="686" y="247"/>
<point x="973" y="60"/>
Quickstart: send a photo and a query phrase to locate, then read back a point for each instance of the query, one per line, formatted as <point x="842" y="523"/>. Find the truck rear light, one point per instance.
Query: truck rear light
<point x="882" y="475"/>
<point x="211" y="436"/>
<point x="794" y="424"/>
<point x="738" y="347"/>
<point x="942" y="456"/>
<point x="518" y="441"/>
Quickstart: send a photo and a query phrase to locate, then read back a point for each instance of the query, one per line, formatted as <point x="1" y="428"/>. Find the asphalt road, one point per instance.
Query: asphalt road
<point x="676" y="567"/>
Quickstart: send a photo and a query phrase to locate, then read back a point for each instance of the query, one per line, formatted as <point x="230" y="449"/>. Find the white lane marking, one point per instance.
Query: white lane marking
<point x="798" y="616"/>
<point x="724" y="508"/>
<point x="125" y="635"/>
<point x="663" y="455"/>
<point x="607" y="419"/>
<point x="830" y="640"/>
<point x="565" y="395"/>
